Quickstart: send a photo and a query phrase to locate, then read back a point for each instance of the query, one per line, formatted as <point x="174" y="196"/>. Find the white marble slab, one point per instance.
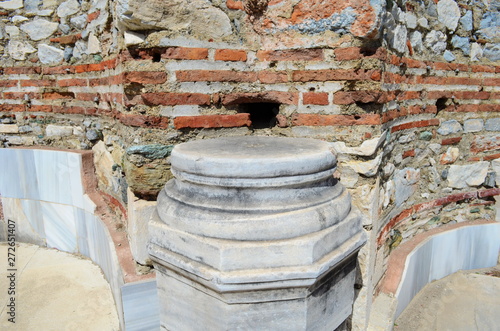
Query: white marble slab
<point x="141" y="306"/>
<point x="468" y="247"/>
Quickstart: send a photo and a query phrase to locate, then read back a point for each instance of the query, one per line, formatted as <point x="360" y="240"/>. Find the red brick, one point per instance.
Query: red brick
<point x="230" y="55"/>
<point x="491" y="81"/>
<point x="72" y="82"/>
<point x="40" y="108"/>
<point x="37" y="82"/>
<point x="59" y="70"/>
<point x="491" y="157"/>
<point x="93" y="16"/>
<point x="212" y="121"/>
<point x="216" y="76"/>
<point x="58" y="95"/>
<point x="409" y="95"/>
<point x="68" y="110"/>
<point x="485" y="143"/>
<point x="417" y="124"/>
<point x="474" y="159"/>
<point x="87" y="96"/>
<point x="172" y="99"/>
<point x="313" y="54"/>
<point x="146" y="77"/>
<point x="411" y="63"/>
<point x="272" y="77"/>
<point x="410" y="153"/>
<point x="258" y="97"/>
<point x="21" y="70"/>
<point x="67" y="40"/>
<point x="451" y="141"/>
<point x="8" y="83"/>
<point x="182" y="53"/>
<point x="81" y="68"/>
<point x="349" y="97"/>
<point x="11" y="108"/>
<point x="328" y="75"/>
<point x="234" y="5"/>
<point x="348" y="53"/>
<point x="463" y="81"/>
<point x="20" y="95"/>
<point x="335" y="120"/>
<point x="143" y="121"/>
<point x="315" y="98"/>
<point x="482" y="68"/>
<point x="488" y="193"/>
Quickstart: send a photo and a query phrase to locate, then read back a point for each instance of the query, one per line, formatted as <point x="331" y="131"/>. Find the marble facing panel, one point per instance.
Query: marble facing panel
<point x="141" y="306"/>
<point x="469" y="247"/>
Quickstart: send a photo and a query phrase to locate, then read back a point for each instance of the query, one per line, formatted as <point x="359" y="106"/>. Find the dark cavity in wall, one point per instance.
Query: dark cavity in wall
<point x="441" y="104"/>
<point x="262" y="114"/>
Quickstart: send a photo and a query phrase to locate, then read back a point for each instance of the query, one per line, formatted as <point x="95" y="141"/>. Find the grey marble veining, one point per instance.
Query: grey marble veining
<point x="468" y="247"/>
<point x="140" y="306"/>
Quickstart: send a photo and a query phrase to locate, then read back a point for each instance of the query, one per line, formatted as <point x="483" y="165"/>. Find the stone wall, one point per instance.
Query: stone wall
<point x="407" y="92"/>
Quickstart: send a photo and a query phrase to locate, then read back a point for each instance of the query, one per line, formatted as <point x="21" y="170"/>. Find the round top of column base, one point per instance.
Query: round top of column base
<point x="252" y="157"/>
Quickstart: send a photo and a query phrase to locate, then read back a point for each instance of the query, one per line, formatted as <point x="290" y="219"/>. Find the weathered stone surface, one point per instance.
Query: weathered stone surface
<point x="366" y="168"/>
<point x="50" y="55"/>
<point x="18" y="49"/>
<point x="13" y="31"/>
<point x="68" y="8"/>
<point x="495" y="165"/>
<point x="79" y="22"/>
<point x="416" y="41"/>
<point x="425" y="135"/>
<point x="9" y="128"/>
<point x="133" y="38"/>
<point x="367" y="147"/>
<point x="492" y="124"/>
<point x="94" y="45"/>
<point x="476" y="52"/>
<point x="155" y="151"/>
<point x="448" y="56"/>
<point x="406" y="184"/>
<point x="473" y="125"/>
<point x="397" y="38"/>
<point x="461" y="43"/>
<point x="175" y="16"/>
<point x="466" y="21"/>
<point x="139" y="214"/>
<point x="147" y="178"/>
<point x="213" y="178"/>
<point x="448" y="13"/>
<point x="492" y="52"/>
<point x="411" y="20"/>
<point x="58" y="130"/>
<point x="18" y="19"/>
<point x="39" y="28"/>
<point x="436" y="41"/>
<point x="11" y="4"/>
<point x="449" y="127"/>
<point x="450" y="156"/>
<point x="461" y="176"/>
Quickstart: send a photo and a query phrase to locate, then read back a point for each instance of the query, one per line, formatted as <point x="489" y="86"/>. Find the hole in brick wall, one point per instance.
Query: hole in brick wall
<point x="368" y="51"/>
<point x="441" y="104"/>
<point x="370" y="107"/>
<point x="262" y="114"/>
<point x="156" y="57"/>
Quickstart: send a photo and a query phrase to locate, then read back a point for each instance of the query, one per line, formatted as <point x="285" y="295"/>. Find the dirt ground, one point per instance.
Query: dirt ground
<point x="464" y="301"/>
<point x="56" y="291"/>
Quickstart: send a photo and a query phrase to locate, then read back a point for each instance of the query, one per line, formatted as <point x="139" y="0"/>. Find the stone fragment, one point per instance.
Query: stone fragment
<point x="25" y="129"/>
<point x="367" y="168"/>
<point x="155" y="151"/>
<point x="404" y="139"/>
<point x="411" y="20"/>
<point x="139" y="214"/>
<point x="58" y="130"/>
<point x="12" y="31"/>
<point x="79" y="22"/>
<point x="449" y="127"/>
<point x="65" y="28"/>
<point x="367" y="147"/>
<point x="32" y="5"/>
<point x="436" y="41"/>
<point x="364" y="199"/>
<point x="448" y="13"/>
<point x="432" y="9"/>
<point x="490" y="180"/>
<point x="18" y="19"/>
<point x="9" y="128"/>
<point x="492" y="124"/>
<point x="93" y="135"/>
<point x="348" y="177"/>
<point x="388" y="170"/>
<point x="94" y="45"/>
<point x="18" y="49"/>
<point x="50" y="55"/>
<point x="20" y="141"/>
<point x="476" y="52"/>
<point x="461" y="43"/>
<point x="39" y="28"/>
<point x="397" y="38"/>
<point x="68" y="53"/>
<point x="461" y="176"/>
<point x="495" y="165"/>
<point x="450" y="156"/>
<point x="425" y="135"/>
<point x="492" y="52"/>
<point x="416" y="41"/>
<point x="422" y="21"/>
<point x="133" y="38"/>
<point x="80" y="48"/>
<point x="466" y="21"/>
<point x="448" y="56"/>
<point x="490" y="27"/>
<point x="388" y="193"/>
<point x="11" y="4"/>
<point x="68" y="8"/>
<point x="473" y="125"/>
<point x="406" y="184"/>
<point x="7" y="120"/>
